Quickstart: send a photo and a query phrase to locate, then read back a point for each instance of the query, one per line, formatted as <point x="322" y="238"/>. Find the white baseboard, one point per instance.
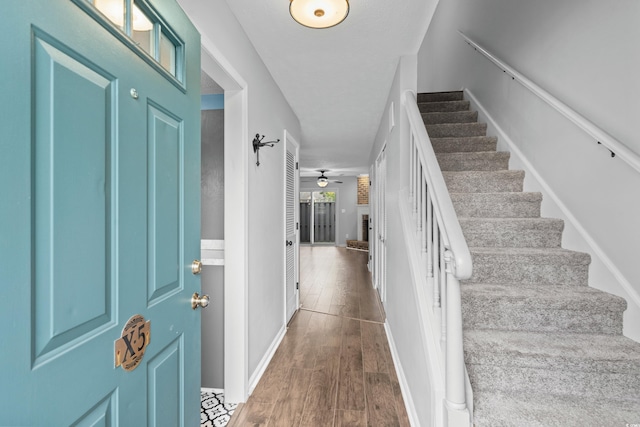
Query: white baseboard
<point x="606" y="269"/>
<point x="404" y="387"/>
<point x="262" y="366"/>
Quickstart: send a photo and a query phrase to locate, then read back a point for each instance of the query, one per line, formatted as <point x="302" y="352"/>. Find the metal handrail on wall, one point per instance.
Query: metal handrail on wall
<point x="447" y="257"/>
<point x="615" y="147"/>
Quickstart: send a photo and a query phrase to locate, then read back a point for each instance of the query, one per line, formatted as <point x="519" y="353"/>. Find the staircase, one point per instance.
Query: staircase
<point x="542" y="348"/>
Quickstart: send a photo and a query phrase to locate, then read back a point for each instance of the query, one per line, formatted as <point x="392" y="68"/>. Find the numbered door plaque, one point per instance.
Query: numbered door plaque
<point x="130" y="348"/>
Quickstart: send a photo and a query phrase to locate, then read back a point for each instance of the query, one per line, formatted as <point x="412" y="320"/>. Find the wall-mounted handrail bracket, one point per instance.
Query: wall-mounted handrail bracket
<point x="257" y="144"/>
<point x="611" y="151"/>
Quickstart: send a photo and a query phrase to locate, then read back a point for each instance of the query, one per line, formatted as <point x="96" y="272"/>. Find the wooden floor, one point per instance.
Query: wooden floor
<point x="333" y="367"/>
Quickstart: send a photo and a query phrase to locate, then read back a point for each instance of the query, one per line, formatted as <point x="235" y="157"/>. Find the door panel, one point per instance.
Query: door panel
<point x="165" y="147"/>
<point x="72" y="235"/>
<point x="291" y="233"/>
<point x="103" y="414"/>
<point x="99" y="220"/>
<point x="166" y="384"/>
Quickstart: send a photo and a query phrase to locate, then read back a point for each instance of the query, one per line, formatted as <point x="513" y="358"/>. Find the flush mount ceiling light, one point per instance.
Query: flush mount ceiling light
<point x="319" y="13"/>
<point x="323" y="181"/>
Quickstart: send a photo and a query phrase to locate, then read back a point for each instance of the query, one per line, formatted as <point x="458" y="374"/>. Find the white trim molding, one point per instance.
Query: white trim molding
<point x="262" y="365"/>
<point x="236" y="124"/>
<point x="402" y="379"/>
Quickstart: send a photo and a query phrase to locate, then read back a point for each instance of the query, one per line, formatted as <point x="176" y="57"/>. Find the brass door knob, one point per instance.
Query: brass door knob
<point x="199" y="301"/>
<point x="196" y="266"/>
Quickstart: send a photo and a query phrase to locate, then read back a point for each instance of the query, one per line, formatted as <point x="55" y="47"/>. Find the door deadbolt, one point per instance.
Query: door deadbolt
<point x="196" y="266"/>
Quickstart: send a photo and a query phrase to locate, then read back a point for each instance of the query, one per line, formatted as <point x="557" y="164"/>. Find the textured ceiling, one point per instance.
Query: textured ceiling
<point x="337" y="79"/>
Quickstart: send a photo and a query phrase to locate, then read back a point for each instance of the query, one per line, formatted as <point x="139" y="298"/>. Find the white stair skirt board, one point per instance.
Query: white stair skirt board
<point x="402" y="379"/>
<point x="213" y="411"/>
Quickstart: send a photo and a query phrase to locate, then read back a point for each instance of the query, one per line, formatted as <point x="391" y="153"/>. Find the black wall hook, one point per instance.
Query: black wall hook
<point x="257" y="144"/>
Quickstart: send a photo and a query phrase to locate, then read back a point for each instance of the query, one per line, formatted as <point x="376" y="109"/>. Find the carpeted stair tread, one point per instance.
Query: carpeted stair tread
<point x="542" y="308"/>
<point x="552" y="266"/>
<point x="497" y="205"/>
<point x="484" y="181"/>
<point x="478" y="161"/>
<point x="603" y="366"/>
<point x="512" y="232"/>
<point x="456" y="95"/>
<point x="496" y="409"/>
<point x="464" y="144"/>
<point x="443" y="106"/>
<point x="550" y="297"/>
<point x="441" y="117"/>
<point x="585" y="352"/>
<point x="448" y="130"/>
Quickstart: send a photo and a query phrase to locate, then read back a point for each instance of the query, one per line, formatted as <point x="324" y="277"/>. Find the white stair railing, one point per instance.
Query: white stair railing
<point x="446" y="255"/>
<point x="615" y="147"/>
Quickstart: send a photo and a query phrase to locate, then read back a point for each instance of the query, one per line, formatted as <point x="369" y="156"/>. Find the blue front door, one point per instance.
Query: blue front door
<point x="99" y="214"/>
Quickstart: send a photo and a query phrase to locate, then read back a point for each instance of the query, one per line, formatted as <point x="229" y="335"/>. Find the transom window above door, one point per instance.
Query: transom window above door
<point x="139" y="26"/>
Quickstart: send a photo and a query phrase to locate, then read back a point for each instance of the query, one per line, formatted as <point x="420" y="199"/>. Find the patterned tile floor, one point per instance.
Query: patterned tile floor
<point x="213" y="411"/>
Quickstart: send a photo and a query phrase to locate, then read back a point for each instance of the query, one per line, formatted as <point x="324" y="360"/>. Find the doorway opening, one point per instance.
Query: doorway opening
<point x="318" y="217"/>
<point x="212" y="231"/>
<point x="234" y="252"/>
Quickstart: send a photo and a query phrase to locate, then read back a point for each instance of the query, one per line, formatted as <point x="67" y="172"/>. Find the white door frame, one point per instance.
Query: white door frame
<point x="236" y="199"/>
<point x="371" y="224"/>
<point x="380" y="224"/>
<point x="291" y="141"/>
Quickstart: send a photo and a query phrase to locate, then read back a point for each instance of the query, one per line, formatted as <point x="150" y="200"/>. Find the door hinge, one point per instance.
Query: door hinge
<point x="296" y="165"/>
<point x="297" y="225"/>
<point x="370" y="184"/>
<point x="297" y="285"/>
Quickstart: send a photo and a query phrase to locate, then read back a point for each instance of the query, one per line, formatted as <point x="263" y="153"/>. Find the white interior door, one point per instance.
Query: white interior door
<point x="381" y="224"/>
<point x="291" y="227"/>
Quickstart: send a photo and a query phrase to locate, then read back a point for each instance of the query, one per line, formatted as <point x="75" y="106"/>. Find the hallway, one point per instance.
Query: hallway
<point x="333" y="367"/>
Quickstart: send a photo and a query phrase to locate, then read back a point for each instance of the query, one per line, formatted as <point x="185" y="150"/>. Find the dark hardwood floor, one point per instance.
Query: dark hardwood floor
<point x="333" y="367"/>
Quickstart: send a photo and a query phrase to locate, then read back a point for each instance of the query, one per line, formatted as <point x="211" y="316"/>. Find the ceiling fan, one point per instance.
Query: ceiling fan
<point x="323" y="181"/>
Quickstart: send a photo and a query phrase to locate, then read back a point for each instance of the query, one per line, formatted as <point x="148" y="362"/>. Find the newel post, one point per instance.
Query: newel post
<point x="455" y="407"/>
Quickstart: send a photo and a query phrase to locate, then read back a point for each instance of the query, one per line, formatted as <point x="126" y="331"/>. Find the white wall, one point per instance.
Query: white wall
<point x="268" y="114"/>
<point x="346" y="200"/>
<point x="585" y="53"/>
<point x="400" y="304"/>
<point x="212" y="227"/>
